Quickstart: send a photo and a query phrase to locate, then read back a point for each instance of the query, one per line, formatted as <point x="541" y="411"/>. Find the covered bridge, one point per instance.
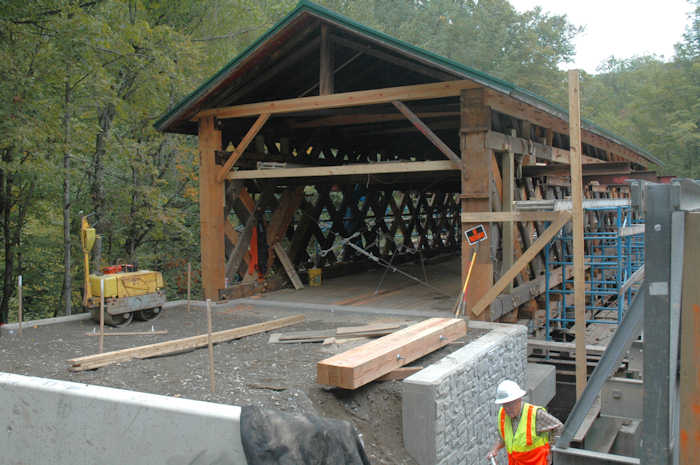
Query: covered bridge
<point x="328" y="143"/>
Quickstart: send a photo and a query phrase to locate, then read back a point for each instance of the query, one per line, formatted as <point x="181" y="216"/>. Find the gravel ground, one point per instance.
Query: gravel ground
<point x="249" y="371"/>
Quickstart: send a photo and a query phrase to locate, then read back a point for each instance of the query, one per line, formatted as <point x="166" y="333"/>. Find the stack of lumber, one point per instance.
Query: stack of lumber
<point x="363" y="364"/>
<point x="347" y="332"/>
<point x="91" y="362"/>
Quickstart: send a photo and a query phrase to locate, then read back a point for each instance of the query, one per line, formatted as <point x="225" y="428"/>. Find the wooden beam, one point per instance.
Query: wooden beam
<point x="211" y="210"/>
<point x="511" y="106"/>
<point x="497" y="217"/>
<point x="326" y="84"/>
<point x="428" y="133"/>
<point x="359" y="366"/>
<point x="475" y="196"/>
<point x="577" y="226"/>
<point x="284" y="214"/>
<point x="288" y="266"/>
<point x="241" y="248"/>
<point x="508" y="187"/>
<point x="90" y="362"/>
<point x="521" y="262"/>
<point x="346" y="99"/>
<point x="503" y="143"/>
<point x="587" y="169"/>
<point x="346" y="170"/>
<point x="247" y="139"/>
<point x="631" y="230"/>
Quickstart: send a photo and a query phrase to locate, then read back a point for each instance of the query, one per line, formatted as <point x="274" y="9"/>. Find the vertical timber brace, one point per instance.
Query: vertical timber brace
<point x="211" y="210"/>
<point x="476" y="159"/>
<point x="325" y="81"/>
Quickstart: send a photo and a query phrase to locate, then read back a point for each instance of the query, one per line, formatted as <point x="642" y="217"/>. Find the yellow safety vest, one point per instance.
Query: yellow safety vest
<point x="525" y="446"/>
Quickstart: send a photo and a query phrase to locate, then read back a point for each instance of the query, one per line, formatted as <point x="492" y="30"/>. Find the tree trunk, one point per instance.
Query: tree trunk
<point x="67" y="292"/>
<point x="97" y="188"/>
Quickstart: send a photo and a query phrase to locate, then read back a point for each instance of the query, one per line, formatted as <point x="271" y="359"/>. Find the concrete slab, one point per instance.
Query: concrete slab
<point x="541" y="383"/>
<point x="80" y="424"/>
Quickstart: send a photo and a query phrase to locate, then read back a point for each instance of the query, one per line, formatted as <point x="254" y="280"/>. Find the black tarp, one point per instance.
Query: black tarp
<point x="272" y="437"/>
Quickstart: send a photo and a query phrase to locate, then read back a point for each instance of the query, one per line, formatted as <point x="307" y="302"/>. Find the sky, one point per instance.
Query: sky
<point x="624" y="28"/>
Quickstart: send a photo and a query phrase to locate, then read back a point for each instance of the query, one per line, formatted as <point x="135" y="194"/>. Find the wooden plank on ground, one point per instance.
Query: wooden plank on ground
<point x="91" y="362"/>
<point x="287" y="264"/>
<point x="359" y="366"/>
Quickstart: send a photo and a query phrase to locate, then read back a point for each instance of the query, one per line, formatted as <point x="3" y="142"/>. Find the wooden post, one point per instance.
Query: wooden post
<point x="211" y="348"/>
<point x="19" y="310"/>
<point x="211" y="210"/>
<point x="577" y="224"/>
<point x="476" y="158"/>
<point x="508" y="181"/>
<point x="102" y="315"/>
<point x="189" y="284"/>
<point x="325" y="81"/>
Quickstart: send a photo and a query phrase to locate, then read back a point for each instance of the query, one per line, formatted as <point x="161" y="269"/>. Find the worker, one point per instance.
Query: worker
<point x="524" y="429"/>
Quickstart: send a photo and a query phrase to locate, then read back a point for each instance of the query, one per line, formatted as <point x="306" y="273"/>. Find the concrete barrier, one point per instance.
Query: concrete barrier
<point x="449" y="416"/>
<point x="62" y="423"/>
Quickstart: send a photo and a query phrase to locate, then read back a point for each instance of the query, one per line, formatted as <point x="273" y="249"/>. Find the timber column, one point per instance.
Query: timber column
<point x="476" y="179"/>
<point x="211" y="210"/>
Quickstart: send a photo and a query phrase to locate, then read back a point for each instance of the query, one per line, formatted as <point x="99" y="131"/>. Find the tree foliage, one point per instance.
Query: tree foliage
<point x="85" y="80"/>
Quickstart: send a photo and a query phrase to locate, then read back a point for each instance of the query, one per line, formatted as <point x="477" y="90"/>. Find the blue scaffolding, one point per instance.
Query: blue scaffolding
<point x="614" y="250"/>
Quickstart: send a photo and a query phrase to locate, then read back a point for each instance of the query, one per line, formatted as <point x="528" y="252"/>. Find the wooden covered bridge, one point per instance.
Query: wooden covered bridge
<point x="327" y="136"/>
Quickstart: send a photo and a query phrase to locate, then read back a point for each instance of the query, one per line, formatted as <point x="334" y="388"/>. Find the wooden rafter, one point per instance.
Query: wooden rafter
<point x="428" y="133"/>
<point x="247" y="139"/>
<point x="503" y="143"/>
<point x="346" y="99"/>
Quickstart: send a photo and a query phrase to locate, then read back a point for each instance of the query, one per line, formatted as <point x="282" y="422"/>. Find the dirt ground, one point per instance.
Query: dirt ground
<point x="249" y="371"/>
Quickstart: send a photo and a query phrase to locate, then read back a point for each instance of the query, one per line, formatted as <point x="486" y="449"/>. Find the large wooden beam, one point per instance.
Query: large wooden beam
<point x="247" y="139"/>
<point x="367" y="118"/>
<point x="326" y="81"/>
<point x="428" y="133"/>
<point x="497" y="217"/>
<point x="521" y="262"/>
<point x="346" y="99"/>
<point x="508" y="188"/>
<point x="503" y="143"/>
<point x="359" y="366"/>
<point x="577" y="226"/>
<point x="211" y="211"/>
<point x="346" y="170"/>
<point x="532" y="171"/>
<point x="476" y="181"/>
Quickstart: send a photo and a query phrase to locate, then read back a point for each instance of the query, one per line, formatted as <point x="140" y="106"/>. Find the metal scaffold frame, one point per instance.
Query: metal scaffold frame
<point x="614" y="244"/>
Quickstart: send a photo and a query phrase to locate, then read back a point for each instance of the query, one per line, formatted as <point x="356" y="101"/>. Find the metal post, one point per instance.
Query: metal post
<point x="657" y="325"/>
<point x="102" y="314"/>
<point x="20" y="309"/>
<point x="189" y="284"/>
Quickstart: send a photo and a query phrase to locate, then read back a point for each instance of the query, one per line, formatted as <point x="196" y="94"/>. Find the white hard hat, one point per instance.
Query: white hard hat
<point x="508" y="391"/>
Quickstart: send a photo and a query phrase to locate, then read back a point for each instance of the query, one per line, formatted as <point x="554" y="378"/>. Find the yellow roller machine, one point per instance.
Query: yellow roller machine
<point x="127" y="293"/>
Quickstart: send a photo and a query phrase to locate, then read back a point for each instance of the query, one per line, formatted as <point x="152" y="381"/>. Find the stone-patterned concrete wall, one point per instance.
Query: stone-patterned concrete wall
<point x="449" y="415"/>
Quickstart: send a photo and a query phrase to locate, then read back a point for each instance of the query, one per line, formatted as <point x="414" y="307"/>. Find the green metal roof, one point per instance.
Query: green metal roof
<point x="307" y="7"/>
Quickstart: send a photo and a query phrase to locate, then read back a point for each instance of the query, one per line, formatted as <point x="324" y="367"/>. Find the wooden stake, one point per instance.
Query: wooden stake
<point x="19" y="310"/>
<point x="189" y="284"/>
<point x="102" y="314"/>
<point x="211" y="348"/>
<point x="577" y="223"/>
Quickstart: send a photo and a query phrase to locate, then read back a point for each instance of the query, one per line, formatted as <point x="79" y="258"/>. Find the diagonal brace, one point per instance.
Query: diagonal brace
<point x="524" y="259"/>
<point x="247" y="139"/>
